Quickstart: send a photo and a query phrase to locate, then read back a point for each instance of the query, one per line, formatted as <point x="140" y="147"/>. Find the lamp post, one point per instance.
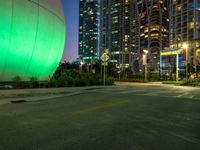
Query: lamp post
<point x="145" y="62"/>
<point x="81" y="66"/>
<point x="185" y="46"/>
<point x="119" y="71"/>
<point x="177" y="66"/>
<point x="91" y="52"/>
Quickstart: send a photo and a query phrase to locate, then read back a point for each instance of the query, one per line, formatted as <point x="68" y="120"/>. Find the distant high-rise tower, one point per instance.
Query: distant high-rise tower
<point x="129" y="26"/>
<point x="117" y="30"/>
<point x="152" y="26"/>
<point x="185" y="28"/>
<point x="88" y="30"/>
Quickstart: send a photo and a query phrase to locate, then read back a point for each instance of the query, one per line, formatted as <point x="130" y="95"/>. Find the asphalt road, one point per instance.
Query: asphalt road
<point x="125" y="117"/>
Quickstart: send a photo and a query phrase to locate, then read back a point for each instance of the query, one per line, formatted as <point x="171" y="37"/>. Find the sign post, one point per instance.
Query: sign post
<point x="104" y="59"/>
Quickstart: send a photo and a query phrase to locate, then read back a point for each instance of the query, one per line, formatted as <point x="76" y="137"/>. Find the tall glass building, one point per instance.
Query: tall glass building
<point x="117" y="30"/>
<point x="88" y="30"/>
<point x="185" y="29"/>
<point x="152" y="29"/>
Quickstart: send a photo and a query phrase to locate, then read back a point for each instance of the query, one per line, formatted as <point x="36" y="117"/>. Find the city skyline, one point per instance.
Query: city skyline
<point x="128" y="28"/>
<point x="71" y="10"/>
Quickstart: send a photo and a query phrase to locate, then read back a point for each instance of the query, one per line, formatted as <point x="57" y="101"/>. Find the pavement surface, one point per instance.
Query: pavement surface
<point x="128" y="116"/>
<point x="15" y="95"/>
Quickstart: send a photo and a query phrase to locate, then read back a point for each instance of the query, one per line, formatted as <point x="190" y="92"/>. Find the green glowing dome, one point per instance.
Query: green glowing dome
<point x="32" y="37"/>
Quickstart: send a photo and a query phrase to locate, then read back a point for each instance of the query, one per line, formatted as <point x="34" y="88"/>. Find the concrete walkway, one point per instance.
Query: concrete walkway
<point x="158" y="84"/>
<point x="17" y="95"/>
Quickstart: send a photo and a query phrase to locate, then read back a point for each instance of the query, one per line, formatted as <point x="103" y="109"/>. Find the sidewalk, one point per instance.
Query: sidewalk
<point x="23" y="95"/>
<point x="156" y="84"/>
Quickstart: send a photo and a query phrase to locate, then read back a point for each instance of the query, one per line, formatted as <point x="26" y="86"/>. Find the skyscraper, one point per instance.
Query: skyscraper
<point x="152" y="26"/>
<point x="117" y="30"/>
<point x="185" y="28"/>
<point x="129" y="26"/>
<point x="88" y="30"/>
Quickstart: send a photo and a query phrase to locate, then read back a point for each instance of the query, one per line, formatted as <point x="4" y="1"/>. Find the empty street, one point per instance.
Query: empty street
<point x="122" y="117"/>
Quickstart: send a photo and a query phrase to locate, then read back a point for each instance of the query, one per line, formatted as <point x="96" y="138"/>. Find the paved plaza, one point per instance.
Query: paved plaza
<point x="127" y="116"/>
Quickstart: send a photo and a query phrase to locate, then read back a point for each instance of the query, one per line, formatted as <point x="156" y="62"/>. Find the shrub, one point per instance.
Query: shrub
<point x="34" y="83"/>
<point x="17" y="82"/>
<point x="52" y="83"/>
<point x="173" y="82"/>
<point x="134" y="80"/>
<point x="185" y="83"/>
<point x="109" y="81"/>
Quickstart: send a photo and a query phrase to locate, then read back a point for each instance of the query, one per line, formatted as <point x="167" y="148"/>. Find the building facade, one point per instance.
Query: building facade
<point x="185" y="29"/>
<point x="152" y="26"/>
<point x="117" y="30"/>
<point x="129" y="26"/>
<point x="88" y="30"/>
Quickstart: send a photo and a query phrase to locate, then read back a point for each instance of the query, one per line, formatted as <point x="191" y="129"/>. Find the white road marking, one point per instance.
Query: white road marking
<point x="131" y="91"/>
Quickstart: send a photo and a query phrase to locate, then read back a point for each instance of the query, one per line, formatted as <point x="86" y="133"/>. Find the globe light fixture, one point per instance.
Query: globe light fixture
<point x="32" y="37"/>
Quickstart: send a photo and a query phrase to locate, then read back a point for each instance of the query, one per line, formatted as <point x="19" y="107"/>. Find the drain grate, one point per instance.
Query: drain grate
<point x="18" y="101"/>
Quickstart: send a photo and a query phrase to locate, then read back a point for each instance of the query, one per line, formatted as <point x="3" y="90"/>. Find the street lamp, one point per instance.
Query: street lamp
<point x="119" y="70"/>
<point x="81" y="66"/>
<point x="185" y="46"/>
<point x="91" y="52"/>
<point x="145" y="62"/>
<point x="177" y="66"/>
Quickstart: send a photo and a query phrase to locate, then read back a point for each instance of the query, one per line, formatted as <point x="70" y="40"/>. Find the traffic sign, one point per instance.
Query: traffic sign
<point x="104" y="57"/>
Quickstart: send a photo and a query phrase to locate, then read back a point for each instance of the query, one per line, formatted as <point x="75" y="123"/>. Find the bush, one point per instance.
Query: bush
<point x="34" y="83"/>
<point x="66" y="78"/>
<point x="185" y="83"/>
<point x="109" y="81"/>
<point x="191" y="83"/>
<point x="135" y="80"/>
<point x="17" y="82"/>
<point x="153" y="76"/>
<point x="173" y="82"/>
<point x="70" y="78"/>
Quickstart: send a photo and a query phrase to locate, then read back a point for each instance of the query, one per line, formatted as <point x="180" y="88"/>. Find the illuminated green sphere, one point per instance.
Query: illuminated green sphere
<point x="32" y="37"/>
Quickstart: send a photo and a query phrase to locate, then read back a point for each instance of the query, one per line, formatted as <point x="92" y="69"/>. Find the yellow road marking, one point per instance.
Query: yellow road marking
<point x="100" y="107"/>
<point x="150" y="92"/>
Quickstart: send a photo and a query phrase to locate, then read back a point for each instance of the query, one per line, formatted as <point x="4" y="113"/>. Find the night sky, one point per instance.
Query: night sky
<point x="71" y="10"/>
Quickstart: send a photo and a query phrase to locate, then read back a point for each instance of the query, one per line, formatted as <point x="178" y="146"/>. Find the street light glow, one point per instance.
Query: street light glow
<point x="185" y="45"/>
<point x="145" y="62"/>
<point x="145" y="51"/>
<point x="81" y="62"/>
